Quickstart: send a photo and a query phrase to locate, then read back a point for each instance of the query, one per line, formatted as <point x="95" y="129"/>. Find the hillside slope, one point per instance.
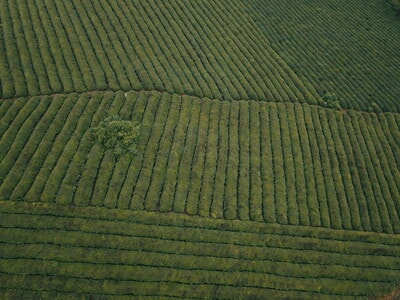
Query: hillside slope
<point x="350" y="48"/>
<point x="201" y="48"/>
<point x="54" y="252"/>
<point x="282" y="163"/>
<point x="248" y="183"/>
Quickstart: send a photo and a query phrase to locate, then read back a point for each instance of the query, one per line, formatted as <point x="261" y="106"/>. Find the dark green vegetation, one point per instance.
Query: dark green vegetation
<point x="396" y="5"/>
<point x="347" y="47"/>
<point x="117" y="134"/>
<point x="70" y="252"/>
<point x="221" y="159"/>
<point x="182" y="47"/>
<point x="268" y="161"/>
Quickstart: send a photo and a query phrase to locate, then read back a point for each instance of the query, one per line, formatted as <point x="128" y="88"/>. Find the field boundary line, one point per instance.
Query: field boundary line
<point x="93" y="92"/>
<point x="181" y="219"/>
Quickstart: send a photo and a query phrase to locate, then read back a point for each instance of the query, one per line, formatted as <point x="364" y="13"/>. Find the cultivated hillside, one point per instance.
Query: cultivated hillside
<point x="268" y="161"/>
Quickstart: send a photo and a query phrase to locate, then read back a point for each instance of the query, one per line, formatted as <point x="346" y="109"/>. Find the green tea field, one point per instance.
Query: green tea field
<point x="267" y="164"/>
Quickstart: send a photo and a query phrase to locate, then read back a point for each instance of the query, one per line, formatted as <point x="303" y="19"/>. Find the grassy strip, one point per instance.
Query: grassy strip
<point x="94" y="266"/>
<point x="192" y="82"/>
<point x="255" y="200"/>
<point x="167" y="195"/>
<point x="231" y="192"/>
<point x="169" y="64"/>
<point x="389" y="215"/>
<point x="114" y="248"/>
<point x="171" y="252"/>
<point x="323" y="63"/>
<point x="193" y="44"/>
<point x="233" y="157"/>
<point x="79" y="44"/>
<point x="51" y="39"/>
<point x="279" y="166"/>
<point x="339" y="209"/>
<point x="67" y="150"/>
<point x="106" y="18"/>
<point x="154" y="289"/>
<point x="387" y="136"/>
<point x="107" y="40"/>
<point x="213" y="267"/>
<point x="146" y="44"/>
<point x="14" y="148"/>
<point x="243" y="183"/>
<point x="44" y="49"/>
<point x="155" y="272"/>
<point x="13" y="121"/>
<point x="7" y="89"/>
<point x="138" y="75"/>
<point x="162" y="151"/>
<point x="288" y="162"/>
<point x="197" y="165"/>
<point x="58" y="17"/>
<point x="225" y="51"/>
<point x="184" y="173"/>
<point x="103" y="70"/>
<point x="81" y="229"/>
<point x="218" y="205"/>
<point x="310" y="181"/>
<point x="348" y="186"/>
<point x="267" y="167"/>
<point x="364" y="167"/>
<point x="199" y="222"/>
<point x="4" y="108"/>
<point x="330" y="209"/>
<point x="299" y="166"/>
<point x="29" y="155"/>
<point x="205" y="206"/>
<point x="153" y="131"/>
<point x="38" y="65"/>
<point x="69" y="183"/>
<point x="22" y="48"/>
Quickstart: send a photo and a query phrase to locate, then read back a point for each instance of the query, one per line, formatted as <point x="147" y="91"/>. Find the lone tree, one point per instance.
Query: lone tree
<point x="331" y="100"/>
<point x="118" y="135"/>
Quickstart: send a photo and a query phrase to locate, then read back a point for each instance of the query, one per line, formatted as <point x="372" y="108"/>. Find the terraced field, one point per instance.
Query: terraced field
<point x="177" y="47"/>
<point x="220" y="159"/>
<point x="346" y="47"/>
<point x="64" y="252"/>
<point x="248" y="182"/>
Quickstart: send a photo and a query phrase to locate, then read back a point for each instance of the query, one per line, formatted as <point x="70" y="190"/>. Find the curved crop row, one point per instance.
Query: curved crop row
<point x="188" y="48"/>
<point x="279" y="163"/>
<point x="117" y="255"/>
<point x="349" y="48"/>
<point x="177" y="47"/>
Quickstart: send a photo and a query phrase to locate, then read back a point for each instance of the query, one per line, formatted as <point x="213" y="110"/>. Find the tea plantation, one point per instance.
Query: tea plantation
<point x="265" y="163"/>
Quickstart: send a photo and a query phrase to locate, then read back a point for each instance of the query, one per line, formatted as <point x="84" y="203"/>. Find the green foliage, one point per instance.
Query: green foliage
<point x="212" y="157"/>
<point x="69" y="243"/>
<point x="224" y="159"/>
<point x="117" y="134"/>
<point x="331" y="100"/>
<point x="374" y="108"/>
<point x="396" y="6"/>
